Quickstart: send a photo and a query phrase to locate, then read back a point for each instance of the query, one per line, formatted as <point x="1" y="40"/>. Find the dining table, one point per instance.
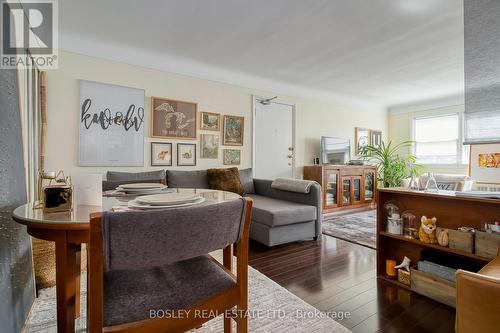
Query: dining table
<point x="69" y="230"/>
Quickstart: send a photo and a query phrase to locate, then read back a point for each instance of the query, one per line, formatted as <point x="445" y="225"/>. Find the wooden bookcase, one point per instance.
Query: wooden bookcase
<point x="344" y="186"/>
<point x="451" y="212"/>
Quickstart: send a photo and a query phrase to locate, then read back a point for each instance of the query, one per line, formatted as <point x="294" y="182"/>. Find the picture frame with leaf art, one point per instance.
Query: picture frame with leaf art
<point x="233" y="129"/>
<point x="161" y="154"/>
<point x="209" y="121"/>
<point x="186" y="154"/>
<point x="231" y="156"/>
<point x="209" y="146"/>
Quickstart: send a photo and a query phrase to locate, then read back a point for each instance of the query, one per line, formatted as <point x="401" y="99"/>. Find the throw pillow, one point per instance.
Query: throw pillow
<point x="225" y="180"/>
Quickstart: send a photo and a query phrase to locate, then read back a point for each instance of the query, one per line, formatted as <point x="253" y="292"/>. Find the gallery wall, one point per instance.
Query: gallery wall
<point x="313" y="118"/>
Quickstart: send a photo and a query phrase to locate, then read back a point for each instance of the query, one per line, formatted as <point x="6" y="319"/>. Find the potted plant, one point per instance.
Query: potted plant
<point x="392" y="167"/>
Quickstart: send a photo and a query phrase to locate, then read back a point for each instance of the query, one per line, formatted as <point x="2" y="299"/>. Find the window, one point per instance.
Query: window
<point x="438" y="139"/>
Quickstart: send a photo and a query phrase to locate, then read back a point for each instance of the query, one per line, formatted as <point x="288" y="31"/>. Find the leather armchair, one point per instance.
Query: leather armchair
<point x="478" y="299"/>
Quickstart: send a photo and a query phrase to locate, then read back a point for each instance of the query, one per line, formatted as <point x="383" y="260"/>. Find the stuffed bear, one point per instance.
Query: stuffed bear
<point x="427" y="231"/>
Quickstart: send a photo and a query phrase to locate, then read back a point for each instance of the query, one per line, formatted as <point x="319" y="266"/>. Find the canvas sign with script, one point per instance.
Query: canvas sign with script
<point x="112" y="121"/>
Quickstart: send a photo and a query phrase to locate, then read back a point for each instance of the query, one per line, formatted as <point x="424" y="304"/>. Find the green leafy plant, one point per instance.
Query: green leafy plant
<point x="391" y="166"/>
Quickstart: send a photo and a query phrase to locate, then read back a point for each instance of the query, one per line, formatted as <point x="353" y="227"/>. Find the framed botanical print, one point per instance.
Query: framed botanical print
<point x="161" y="154"/>
<point x="233" y="130"/>
<point x="376" y="138"/>
<point x="484" y="163"/>
<point x="362" y="139"/>
<point x="186" y="154"/>
<point x="210" y="121"/>
<point x="209" y="146"/>
<point x="173" y="119"/>
<point x="232" y="157"/>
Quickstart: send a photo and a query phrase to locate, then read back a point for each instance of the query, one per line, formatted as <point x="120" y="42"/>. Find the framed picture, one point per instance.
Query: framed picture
<point x="186" y="154"/>
<point x="233" y="130"/>
<point x="209" y="146"/>
<point x="209" y="121"/>
<point x="376" y="138"/>
<point x="484" y="164"/>
<point x="173" y="119"/>
<point x="161" y="154"/>
<point x="362" y="139"/>
<point x="232" y="156"/>
<point x="111" y="125"/>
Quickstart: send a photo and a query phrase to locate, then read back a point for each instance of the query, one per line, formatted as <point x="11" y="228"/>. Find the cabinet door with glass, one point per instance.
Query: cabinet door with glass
<point x="369" y="185"/>
<point x="356" y="188"/>
<point x="331" y="188"/>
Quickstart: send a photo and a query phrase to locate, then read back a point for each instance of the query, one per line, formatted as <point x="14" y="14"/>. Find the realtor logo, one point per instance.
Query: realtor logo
<point x="29" y="34"/>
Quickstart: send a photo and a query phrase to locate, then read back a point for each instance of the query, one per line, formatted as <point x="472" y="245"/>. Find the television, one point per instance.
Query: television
<point x="335" y="150"/>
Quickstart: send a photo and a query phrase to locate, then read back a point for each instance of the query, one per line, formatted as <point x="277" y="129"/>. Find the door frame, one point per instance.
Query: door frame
<point x="255" y="100"/>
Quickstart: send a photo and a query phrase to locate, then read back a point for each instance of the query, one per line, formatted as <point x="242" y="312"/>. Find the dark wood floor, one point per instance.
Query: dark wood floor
<point x="335" y="275"/>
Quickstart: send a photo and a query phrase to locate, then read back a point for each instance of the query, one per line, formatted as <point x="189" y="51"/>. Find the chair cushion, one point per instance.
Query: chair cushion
<point x="275" y="212"/>
<point x="125" y="176"/>
<point x="130" y="295"/>
<point x="227" y="179"/>
<point x="246" y="179"/>
<point x="187" y="179"/>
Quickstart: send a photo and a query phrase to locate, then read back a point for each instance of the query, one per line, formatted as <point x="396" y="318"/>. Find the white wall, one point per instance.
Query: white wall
<point x="314" y="119"/>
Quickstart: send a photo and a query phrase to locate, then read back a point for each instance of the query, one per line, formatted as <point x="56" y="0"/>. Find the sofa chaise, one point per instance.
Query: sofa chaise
<point x="278" y="216"/>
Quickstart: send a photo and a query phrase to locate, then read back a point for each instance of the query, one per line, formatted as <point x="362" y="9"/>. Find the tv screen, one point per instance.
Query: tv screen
<point x="335" y="150"/>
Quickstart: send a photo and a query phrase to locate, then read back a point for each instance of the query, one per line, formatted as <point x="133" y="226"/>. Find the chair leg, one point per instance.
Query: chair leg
<point x="242" y="319"/>
<point x="227" y="323"/>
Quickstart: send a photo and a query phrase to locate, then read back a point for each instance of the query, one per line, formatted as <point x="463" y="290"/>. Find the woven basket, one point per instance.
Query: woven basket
<point x="44" y="261"/>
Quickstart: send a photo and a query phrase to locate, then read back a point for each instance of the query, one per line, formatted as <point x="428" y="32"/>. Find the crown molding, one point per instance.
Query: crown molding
<point x="430" y="104"/>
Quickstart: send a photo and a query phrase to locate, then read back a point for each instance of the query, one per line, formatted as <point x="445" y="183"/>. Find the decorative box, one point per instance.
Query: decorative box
<point x="461" y="240"/>
<point x="487" y="244"/>
<point x="57" y="198"/>
<point x="404" y="276"/>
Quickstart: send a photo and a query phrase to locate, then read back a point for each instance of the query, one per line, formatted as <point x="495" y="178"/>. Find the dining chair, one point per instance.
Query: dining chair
<point x="150" y="271"/>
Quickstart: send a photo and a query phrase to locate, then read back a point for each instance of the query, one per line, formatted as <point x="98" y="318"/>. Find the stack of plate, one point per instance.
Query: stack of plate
<point x="141" y="188"/>
<point x="167" y="200"/>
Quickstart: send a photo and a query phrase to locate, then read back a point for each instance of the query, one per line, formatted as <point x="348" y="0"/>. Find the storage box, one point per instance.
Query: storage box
<point x="433" y="287"/>
<point x="437" y="270"/>
<point x="404" y="276"/>
<point x="461" y="240"/>
<point x="486" y="244"/>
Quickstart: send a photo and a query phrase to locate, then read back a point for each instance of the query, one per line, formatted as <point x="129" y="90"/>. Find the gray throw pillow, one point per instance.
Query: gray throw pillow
<point x="126" y="176"/>
<point x="246" y="178"/>
<point x="187" y="179"/>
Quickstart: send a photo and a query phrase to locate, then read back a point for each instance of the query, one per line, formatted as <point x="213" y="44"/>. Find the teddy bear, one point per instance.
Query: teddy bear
<point x="427" y="231"/>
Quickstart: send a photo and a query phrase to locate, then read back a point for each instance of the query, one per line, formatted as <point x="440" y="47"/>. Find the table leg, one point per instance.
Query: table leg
<point x="78" y="268"/>
<point x="65" y="284"/>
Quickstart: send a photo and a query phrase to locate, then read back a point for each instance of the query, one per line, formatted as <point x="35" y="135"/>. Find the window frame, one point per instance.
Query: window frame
<point x="437" y="113"/>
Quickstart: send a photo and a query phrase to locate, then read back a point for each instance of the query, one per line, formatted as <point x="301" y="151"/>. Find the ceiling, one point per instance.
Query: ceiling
<point x="382" y="52"/>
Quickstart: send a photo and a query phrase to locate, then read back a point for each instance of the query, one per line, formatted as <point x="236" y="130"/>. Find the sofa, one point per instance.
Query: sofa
<point x="278" y="217"/>
<point x="478" y="299"/>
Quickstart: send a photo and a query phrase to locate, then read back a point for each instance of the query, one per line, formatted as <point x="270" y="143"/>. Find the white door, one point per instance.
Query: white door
<point x="273" y="153"/>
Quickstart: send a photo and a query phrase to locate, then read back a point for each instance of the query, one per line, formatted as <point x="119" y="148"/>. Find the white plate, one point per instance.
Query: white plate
<point x="141" y="186"/>
<point x="168" y="199"/>
<point x="133" y="204"/>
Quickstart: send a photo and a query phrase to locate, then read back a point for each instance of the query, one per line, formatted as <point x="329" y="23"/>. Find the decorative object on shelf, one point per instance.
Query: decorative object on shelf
<point x="442" y="237"/>
<point x="404" y="277"/>
<point x="394" y="220"/>
<point x="362" y="139"/>
<point x="186" y="154"/>
<point x="231" y="157"/>
<point x="414" y="184"/>
<point x="56" y="195"/>
<point x="461" y="239"/>
<point x="486" y="244"/>
<point x="111" y="125"/>
<point x="209" y="146"/>
<point x="484" y="163"/>
<point x="390" y="268"/>
<point x="427" y="232"/>
<point x="410" y="224"/>
<point x="431" y="184"/>
<point x="161" y="154"/>
<point x="173" y="119"/>
<point x="376" y="137"/>
<point x="392" y="168"/>
<point x="233" y="130"/>
<point x="405" y="264"/>
<point x="210" y="121"/>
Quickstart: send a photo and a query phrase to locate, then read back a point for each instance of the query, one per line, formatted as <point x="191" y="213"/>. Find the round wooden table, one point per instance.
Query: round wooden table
<point x="69" y="230"/>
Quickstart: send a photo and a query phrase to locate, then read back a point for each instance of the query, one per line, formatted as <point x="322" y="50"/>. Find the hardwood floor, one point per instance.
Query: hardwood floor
<point x="338" y="276"/>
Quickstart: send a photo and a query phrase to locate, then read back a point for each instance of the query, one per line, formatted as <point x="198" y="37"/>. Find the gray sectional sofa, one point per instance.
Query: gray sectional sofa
<point x="278" y="216"/>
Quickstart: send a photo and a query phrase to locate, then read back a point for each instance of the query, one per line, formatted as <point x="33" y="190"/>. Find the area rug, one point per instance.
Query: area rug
<point x="359" y="228"/>
<point x="272" y="308"/>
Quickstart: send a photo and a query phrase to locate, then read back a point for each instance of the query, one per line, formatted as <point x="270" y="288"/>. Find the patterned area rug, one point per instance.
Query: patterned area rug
<point x="359" y="228"/>
<point x="272" y="308"/>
